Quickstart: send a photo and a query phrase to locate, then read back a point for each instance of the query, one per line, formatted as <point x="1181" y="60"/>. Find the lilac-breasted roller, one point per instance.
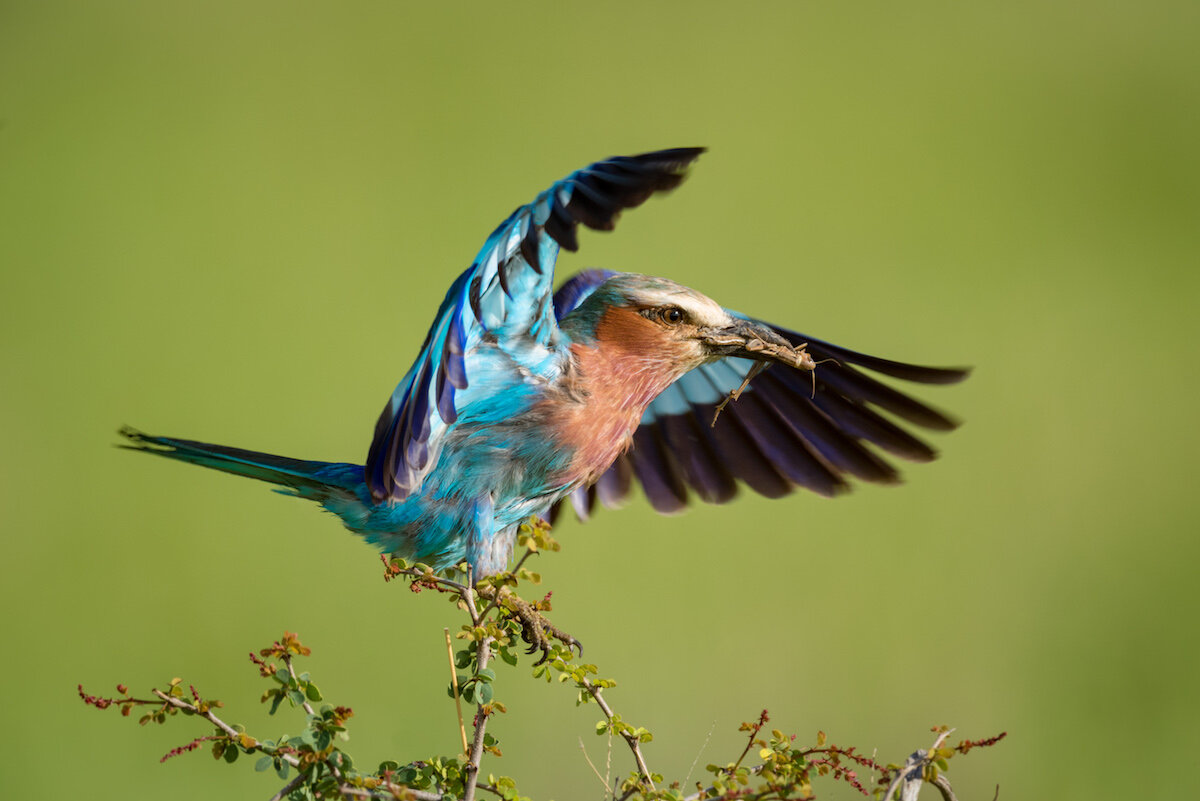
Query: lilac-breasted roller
<point x="522" y="397"/>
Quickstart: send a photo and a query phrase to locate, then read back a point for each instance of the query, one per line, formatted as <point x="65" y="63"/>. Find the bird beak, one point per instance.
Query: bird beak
<point x="754" y="341"/>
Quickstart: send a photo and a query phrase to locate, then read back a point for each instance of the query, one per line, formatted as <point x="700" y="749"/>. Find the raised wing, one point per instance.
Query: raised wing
<point x="778" y="436"/>
<point x="505" y="294"/>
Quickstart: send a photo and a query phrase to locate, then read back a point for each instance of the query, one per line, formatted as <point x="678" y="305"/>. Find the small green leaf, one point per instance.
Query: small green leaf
<point x="231" y="753"/>
<point x="312" y="692"/>
<point x="263" y="763"/>
<point x="487" y="674"/>
<point x="602" y="727"/>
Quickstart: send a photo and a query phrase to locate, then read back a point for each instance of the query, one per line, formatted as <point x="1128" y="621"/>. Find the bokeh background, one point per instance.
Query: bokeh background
<point x="232" y="222"/>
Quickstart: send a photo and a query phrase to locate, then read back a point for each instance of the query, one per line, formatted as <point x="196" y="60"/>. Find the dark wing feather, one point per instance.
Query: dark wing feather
<point x="780" y="435"/>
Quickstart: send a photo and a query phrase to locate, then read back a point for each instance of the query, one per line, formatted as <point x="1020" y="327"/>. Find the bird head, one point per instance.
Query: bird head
<point x="660" y="320"/>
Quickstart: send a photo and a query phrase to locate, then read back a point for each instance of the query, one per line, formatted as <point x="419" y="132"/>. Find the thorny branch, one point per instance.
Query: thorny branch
<point x="324" y="771"/>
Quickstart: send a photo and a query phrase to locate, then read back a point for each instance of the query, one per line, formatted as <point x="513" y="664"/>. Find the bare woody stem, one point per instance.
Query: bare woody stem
<point x="910" y="774"/>
<point x="483" y="653"/>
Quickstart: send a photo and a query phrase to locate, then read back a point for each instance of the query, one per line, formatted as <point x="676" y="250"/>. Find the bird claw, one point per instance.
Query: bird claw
<point x="538" y="632"/>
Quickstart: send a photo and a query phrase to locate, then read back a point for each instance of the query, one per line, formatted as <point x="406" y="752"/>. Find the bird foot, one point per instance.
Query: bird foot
<point x="538" y="632"/>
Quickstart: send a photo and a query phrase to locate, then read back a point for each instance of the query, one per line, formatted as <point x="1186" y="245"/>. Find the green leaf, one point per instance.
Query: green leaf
<point x="485" y="693"/>
<point x="263" y="763"/>
<point x="312" y="692"/>
<point x="602" y="727"/>
<point x="231" y="753"/>
<point x="487" y="674"/>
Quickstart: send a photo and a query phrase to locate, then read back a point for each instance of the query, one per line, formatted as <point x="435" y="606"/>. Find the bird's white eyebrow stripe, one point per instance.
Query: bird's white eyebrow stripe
<point x="703" y="310"/>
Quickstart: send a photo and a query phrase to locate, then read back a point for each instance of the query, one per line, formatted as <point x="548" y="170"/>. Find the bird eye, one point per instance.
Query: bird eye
<point x="671" y="315"/>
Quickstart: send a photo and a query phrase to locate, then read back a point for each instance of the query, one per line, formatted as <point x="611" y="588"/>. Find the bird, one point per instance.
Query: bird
<point x="524" y="399"/>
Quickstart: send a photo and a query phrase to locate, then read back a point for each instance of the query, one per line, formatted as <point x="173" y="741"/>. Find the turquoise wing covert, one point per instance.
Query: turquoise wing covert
<point x="505" y="297"/>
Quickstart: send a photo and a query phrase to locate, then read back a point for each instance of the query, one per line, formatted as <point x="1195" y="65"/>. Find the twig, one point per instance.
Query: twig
<point x="754" y="730"/>
<point x="588" y="759"/>
<point x="910" y="776"/>
<point x="712" y="791"/>
<point x="462" y="732"/>
<point x="608" y="764"/>
<point x="483" y="653"/>
<point x="943" y="784"/>
<point x="345" y="789"/>
<point x="207" y="714"/>
<point x="393" y="792"/>
<point x="634" y="746"/>
<point x="700" y="753"/>
<point x="287" y="661"/>
<point x="287" y="788"/>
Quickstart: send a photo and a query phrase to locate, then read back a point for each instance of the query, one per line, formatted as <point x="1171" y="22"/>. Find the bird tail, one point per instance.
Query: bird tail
<point x="318" y="481"/>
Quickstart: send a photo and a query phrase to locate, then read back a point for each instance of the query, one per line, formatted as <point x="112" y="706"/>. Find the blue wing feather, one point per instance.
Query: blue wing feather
<point x="500" y="308"/>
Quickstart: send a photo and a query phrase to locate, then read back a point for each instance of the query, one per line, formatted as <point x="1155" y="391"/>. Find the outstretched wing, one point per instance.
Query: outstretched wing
<point x="780" y="434"/>
<point x="505" y="294"/>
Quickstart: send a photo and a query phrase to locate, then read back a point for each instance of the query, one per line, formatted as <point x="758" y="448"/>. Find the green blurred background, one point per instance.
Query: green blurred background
<point x="233" y="222"/>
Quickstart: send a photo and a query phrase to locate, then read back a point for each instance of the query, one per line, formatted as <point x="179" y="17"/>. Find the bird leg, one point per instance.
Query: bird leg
<point x="536" y="630"/>
<point x="734" y="394"/>
<point x="797" y="356"/>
